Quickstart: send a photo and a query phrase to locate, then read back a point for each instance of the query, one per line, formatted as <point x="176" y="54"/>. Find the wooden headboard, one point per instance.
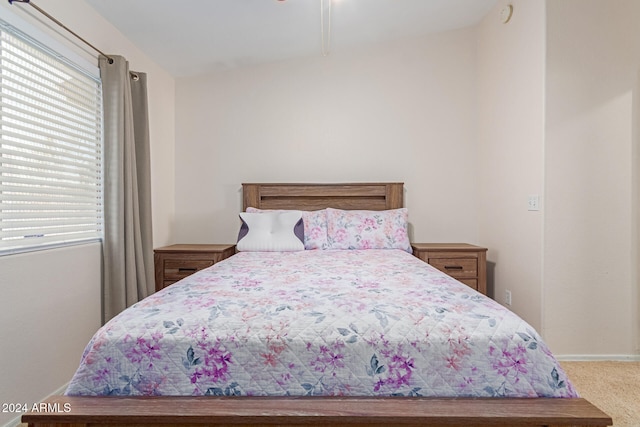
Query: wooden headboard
<point x="308" y="197"/>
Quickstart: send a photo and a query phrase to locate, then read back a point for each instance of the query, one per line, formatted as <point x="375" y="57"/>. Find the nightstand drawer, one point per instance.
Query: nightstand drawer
<point x="175" y="269"/>
<point x="472" y="283"/>
<point x="466" y="263"/>
<point x="175" y="262"/>
<point x="456" y="267"/>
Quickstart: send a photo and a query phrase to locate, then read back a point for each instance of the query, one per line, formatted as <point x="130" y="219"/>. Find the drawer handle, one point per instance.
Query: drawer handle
<point x="453" y="267"/>
<point x="187" y="270"/>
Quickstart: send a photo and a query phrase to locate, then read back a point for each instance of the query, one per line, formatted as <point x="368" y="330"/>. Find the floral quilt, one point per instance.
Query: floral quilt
<point x="332" y="322"/>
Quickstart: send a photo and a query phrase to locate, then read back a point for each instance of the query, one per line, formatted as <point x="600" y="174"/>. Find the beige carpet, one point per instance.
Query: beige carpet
<point x="614" y="387"/>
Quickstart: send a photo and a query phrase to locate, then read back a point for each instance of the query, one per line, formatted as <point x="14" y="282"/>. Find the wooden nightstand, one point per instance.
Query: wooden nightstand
<point x="176" y="262"/>
<point x="464" y="262"/>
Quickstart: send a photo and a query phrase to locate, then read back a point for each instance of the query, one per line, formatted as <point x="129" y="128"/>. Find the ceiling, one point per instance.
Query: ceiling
<point x="198" y="36"/>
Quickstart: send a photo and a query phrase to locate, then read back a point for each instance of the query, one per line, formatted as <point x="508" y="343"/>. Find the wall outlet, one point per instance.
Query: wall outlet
<point x="533" y="202"/>
<point x="507" y="297"/>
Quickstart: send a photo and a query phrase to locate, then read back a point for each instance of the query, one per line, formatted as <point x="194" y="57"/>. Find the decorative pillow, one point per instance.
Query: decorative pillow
<point x="315" y="227"/>
<point x="273" y="231"/>
<point x="360" y="229"/>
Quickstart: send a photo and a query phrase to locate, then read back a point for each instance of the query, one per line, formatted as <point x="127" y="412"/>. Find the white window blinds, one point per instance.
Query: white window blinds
<point x="50" y="148"/>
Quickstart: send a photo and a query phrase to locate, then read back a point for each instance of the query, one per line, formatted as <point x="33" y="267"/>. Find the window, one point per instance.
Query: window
<point x="50" y="148"/>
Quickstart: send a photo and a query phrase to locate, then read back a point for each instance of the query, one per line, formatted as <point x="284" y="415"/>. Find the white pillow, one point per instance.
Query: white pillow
<point x="315" y="227"/>
<point x="271" y="232"/>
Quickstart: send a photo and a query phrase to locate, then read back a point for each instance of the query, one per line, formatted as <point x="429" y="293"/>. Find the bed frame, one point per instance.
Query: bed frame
<point x="315" y="411"/>
<point x="371" y="196"/>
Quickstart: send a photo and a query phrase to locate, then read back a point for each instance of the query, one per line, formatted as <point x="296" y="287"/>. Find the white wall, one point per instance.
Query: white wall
<point x="559" y="117"/>
<point x="50" y="300"/>
<point x="49" y="309"/>
<point x="511" y="140"/>
<point x="402" y="111"/>
<point x="591" y="240"/>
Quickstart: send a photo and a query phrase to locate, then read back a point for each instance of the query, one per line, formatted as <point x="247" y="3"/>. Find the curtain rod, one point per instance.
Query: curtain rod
<point x="63" y="26"/>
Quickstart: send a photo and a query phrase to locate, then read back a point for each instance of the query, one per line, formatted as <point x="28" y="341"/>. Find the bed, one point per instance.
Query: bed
<point x="363" y="334"/>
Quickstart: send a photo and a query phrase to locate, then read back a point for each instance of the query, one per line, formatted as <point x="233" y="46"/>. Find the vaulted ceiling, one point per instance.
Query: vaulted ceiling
<point x="199" y="36"/>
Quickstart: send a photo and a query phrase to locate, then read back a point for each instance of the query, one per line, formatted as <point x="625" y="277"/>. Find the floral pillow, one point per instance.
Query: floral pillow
<point x="359" y="229"/>
<point x="315" y="227"/>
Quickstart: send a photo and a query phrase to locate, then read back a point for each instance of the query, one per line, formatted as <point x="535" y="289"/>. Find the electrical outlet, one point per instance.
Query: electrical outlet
<point x="533" y="203"/>
<point x="507" y="297"/>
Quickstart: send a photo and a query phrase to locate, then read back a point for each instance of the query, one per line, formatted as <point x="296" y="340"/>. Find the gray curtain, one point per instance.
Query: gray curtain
<point x="127" y="249"/>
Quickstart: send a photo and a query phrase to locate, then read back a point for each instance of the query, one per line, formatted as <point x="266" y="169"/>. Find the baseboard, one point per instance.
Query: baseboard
<point x="18" y="420"/>
<point x="599" y="358"/>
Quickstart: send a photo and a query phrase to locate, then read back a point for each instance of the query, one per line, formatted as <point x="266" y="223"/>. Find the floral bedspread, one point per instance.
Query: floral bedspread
<point x="333" y="322"/>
